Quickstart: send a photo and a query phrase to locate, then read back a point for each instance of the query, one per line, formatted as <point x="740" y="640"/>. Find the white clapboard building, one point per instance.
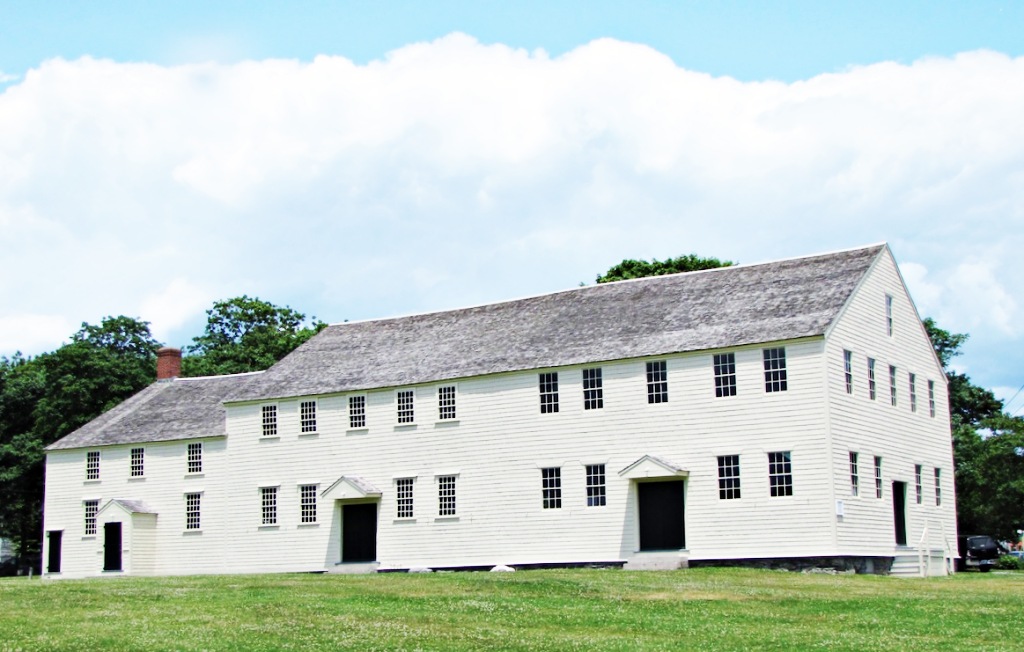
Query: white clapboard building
<point x="787" y="413"/>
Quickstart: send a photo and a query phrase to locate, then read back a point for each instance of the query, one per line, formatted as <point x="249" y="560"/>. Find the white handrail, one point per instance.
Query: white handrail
<point x="922" y="569"/>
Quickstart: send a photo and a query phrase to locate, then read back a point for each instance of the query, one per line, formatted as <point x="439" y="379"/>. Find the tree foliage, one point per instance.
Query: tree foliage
<point x="246" y="334"/>
<point x="630" y="268"/>
<point x="988" y="448"/>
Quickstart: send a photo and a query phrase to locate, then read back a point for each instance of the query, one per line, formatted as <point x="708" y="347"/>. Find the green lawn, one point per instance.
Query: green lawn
<point x="722" y="609"/>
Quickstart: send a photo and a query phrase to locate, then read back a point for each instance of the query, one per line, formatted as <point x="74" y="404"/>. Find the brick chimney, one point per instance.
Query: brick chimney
<point x="168" y="363"/>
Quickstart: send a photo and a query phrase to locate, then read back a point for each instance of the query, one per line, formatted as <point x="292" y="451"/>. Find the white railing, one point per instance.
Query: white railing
<point x="924" y="554"/>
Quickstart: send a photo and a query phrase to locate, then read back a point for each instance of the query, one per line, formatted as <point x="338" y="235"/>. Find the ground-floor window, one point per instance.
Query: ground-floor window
<point x="780" y="473"/>
<point x="551" y="487"/>
<point x="878" y="477"/>
<point x="728" y="477"/>
<point x="307" y="503"/>
<point x="91" y="508"/>
<point x="193" y="504"/>
<point x="268" y="504"/>
<point x="403" y="488"/>
<point x="596" y="485"/>
<point x="446" y="495"/>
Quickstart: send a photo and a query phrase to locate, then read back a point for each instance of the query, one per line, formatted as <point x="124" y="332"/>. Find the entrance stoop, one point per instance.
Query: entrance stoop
<point x="355" y="567"/>
<point x="658" y="560"/>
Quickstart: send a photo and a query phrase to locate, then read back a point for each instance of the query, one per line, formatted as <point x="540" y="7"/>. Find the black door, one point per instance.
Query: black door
<point x="53" y="555"/>
<point x="661" y="515"/>
<point x="899" y="511"/>
<point x="359" y="532"/>
<point x="111" y="546"/>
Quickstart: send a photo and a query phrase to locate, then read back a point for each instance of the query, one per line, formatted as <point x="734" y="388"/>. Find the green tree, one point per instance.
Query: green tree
<point x="630" y="268"/>
<point x="49" y="396"/>
<point x="988" y="449"/>
<point x="246" y="334"/>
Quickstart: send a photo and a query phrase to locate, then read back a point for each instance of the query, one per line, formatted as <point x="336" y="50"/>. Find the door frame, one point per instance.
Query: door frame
<point x="376" y="522"/>
<point x="117" y="553"/>
<point x="639" y="512"/>
<point x="899" y="511"/>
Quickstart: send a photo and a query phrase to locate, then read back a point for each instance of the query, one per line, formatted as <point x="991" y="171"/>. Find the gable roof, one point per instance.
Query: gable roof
<point x="730" y="306"/>
<point x="167" y="410"/>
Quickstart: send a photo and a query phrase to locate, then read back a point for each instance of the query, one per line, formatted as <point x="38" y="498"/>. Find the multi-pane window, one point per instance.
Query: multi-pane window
<point x="446" y="402"/>
<point x="848" y="370"/>
<point x="780" y="473"/>
<point x="657" y="381"/>
<point x="92" y="465"/>
<point x="728" y="477"/>
<point x="307" y="503"/>
<point x="193" y="503"/>
<point x="269" y="420"/>
<point x="91" y="508"/>
<point x="595" y="485"/>
<point x="931" y="398"/>
<point x="871" y="379"/>
<point x="725" y="374"/>
<point x="888" y="314"/>
<point x="268" y="504"/>
<point x="551" y="487"/>
<point x="854" y="475"/>
<point x="593" y="389"/>
<point x="195" y="457"/>
<point x="548" y="392"/>
<point x="775" y="370"/>
<point x="938" y="486"/>
<point x="403" y="491"/>
<point x="918" y="488"/>
<point x="878" y="477"/>
<point x="307" y="416"/>
<point x="446" y="495"/>
<point x="138" y="458"/>
<point x="913" y="393"/>
<point x="892" y="384"/>
<point x="405" y="406"/>
<point x="356" y="411"/>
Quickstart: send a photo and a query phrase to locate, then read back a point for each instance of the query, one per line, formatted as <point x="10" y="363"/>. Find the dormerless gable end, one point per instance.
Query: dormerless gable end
<point x="727" y="307"/>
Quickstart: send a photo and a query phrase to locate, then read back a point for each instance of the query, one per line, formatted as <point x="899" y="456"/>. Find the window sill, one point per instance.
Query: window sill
<point x="308" y="435"/>
<point x="412" y="519"/>
<point x="91" y="481"/>
<point x="406" y="426"/>
<point x="195" y="475"/>
<point x="191" y="533"/>
<point x="270" y="437"/>
<point x="303" y="526"/>
<point x="446" y="422"/>
<point x="138" y="478"/>
<point x="442" y="519"/>
<point x="357" y="431"/>
<point x="89" y="537"/>
<point x="268" y="527"/>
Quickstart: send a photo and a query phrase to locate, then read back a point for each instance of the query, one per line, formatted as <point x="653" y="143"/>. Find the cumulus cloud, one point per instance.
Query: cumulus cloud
<point x="452" y="172"/>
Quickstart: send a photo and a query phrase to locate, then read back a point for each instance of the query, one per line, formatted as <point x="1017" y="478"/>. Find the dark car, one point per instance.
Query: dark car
<point x="978" y="551"/>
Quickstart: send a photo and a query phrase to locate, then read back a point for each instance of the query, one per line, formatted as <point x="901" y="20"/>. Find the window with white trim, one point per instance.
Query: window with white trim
<point x="780" y="473"/>
<point x="91" y="507"/>
<point x="269" y="413"/>
<point x="403" y="492"/>
<point x="854" y="475"/>
<point x="888" y="315"/>
<point x="356" y="412"/>
<point x="307" y="503"/>
<point x="725" y="374"/>
<point x="892" y="384"/>
<point x="878" y="477"/>
<point x="931" y="398"/>
<point x="913" y="393"/>
<point x="872" y="388"/>
<point x="446" y="403"/>
<point x="92" y="465"/>
<point x="446" y="495"/>
<point x="195" y="457"/>
<point x="938" y="486"/>
<point x="848" y="370"/>
<point x="918" y="488"/>
<point x="307" y="416"/>
<point x="548" y="386"/>
<point x="593" y="389"/>
<point x="268" y="505"/>
<point x="657" y="381"/>
<point x="138" y="458"/>
<point x="775" y="369"/>
<point x="406" y="413"/>
<point x="551" y="487"/>
<point x="193" y="505"/>
<point x="728" y="477"/>
<point x="596" y="494"/>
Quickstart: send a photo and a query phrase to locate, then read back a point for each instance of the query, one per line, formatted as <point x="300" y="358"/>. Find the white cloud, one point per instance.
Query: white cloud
<point x="452" y="172"/>
<point x="34" y="333"/>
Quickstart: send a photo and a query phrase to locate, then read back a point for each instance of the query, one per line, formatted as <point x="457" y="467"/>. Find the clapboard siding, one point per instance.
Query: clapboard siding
<point x="501" y="441"/>
<point x="875" y="427"/>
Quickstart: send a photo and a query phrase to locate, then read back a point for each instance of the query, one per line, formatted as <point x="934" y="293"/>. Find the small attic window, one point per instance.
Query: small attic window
<point x="888" y="314"/>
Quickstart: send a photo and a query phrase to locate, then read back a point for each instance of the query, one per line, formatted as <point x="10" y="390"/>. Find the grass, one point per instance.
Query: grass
<point x="721" y="609"/>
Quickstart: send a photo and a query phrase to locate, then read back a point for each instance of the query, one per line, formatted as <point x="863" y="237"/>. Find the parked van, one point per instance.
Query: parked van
<point x="978" y="551"/>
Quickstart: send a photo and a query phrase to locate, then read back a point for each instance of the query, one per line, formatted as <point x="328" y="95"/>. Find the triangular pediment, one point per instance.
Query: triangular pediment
<point x="350" y="487"/>
<point x="127" y="506"/>
<point x="652" y="466"/>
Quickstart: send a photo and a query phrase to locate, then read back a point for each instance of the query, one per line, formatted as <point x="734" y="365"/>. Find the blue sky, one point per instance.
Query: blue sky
<point x="358" y="160"/>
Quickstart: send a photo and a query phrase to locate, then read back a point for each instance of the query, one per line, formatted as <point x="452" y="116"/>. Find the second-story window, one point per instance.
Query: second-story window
<point x="913" y="393"/>
<point x="892" y="384"/>
<point x="871" y="379"/>
<point x="548" y="383"/>
<point x="138" y="460"/>
<point x="269" y="413"/>
<point x="593" y="389"/>
<point x="307" y="416"/>
<point x="195" y="457"/>
<point x="725" y="374"/>
<point x="657" y="381"/>
<point x="92" y="465"/>
<point x="446" y="403"/>
<point x="405" y="406"/>
<point x="775" y="370"/>
<point x="356" y="411"/>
